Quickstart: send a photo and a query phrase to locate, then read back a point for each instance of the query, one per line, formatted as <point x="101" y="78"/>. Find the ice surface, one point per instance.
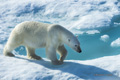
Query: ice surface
<point x="79" y="16"/>
<point x="104" y="38"/>
<point x="21" y="68"/>
<point x="116" y="43"/>
<point x="92" y="31"/>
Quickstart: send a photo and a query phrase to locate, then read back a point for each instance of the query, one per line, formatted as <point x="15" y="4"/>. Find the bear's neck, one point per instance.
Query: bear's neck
<point x="65" y="35"/>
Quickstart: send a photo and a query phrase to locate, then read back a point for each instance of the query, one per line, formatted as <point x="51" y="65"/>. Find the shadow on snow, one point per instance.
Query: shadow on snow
<point x="77" y="69"/>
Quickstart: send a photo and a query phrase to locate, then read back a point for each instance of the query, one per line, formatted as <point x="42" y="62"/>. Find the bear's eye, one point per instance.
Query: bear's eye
<point x="69" y="40"/>
<point x="75" y="45"/>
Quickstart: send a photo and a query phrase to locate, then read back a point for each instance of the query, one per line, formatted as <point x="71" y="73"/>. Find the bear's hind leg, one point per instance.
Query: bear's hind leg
<point x="31" y="54"/>
<point x="63" y="52"/>
<point x="8" y="52"/>
<point x="8" y="49"/>
<point x="14" y="41"/>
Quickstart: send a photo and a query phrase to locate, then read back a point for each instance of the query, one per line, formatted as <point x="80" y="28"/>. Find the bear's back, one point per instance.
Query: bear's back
<point x="31" y="27"/>
<point x="33" y="33"/>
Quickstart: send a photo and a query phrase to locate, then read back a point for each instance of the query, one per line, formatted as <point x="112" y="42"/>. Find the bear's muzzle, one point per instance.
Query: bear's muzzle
<point x="79" y="49"/>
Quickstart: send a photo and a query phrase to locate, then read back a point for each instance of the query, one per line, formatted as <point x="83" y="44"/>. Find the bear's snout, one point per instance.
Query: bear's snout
<point x="79" y="49"/>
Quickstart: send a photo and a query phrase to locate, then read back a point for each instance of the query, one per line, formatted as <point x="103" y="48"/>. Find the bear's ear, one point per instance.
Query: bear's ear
<point x="69" y="40"/>
<point x="77" y="36"/>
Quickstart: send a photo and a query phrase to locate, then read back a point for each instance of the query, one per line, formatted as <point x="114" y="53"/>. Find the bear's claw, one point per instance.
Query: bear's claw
<point x="10" y="55"/>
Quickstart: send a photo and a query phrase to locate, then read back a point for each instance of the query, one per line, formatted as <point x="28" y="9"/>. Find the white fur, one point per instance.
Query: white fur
<point x="38" y="35"/>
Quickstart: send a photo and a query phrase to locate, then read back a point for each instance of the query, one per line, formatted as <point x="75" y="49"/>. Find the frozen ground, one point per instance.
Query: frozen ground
<point x="82" y="17"/>
<point x="116" y="43"/>
<point x="21" y="68"/>
<point x="96" y="22"/>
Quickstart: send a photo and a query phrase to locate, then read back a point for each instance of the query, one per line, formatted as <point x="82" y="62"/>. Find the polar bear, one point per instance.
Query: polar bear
<point x="42" y="35"/>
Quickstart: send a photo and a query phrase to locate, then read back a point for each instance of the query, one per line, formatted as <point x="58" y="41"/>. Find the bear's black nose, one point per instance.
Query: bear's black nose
<point x="79" y="49"/>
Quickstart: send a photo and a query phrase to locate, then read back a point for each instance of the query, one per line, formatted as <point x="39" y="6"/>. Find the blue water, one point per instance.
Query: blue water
<point x="92" y="46"/>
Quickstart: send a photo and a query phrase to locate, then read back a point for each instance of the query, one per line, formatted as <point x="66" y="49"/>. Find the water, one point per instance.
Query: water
<point x="91" y="44"/>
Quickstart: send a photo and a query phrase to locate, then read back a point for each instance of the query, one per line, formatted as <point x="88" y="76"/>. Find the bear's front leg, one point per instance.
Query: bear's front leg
<point x="63" y="52"/>
<point x="51" y="54"/>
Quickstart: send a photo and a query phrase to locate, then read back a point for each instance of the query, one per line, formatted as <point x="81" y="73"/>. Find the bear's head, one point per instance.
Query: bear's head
<point x="74" y="43"/>
<point x="69" y="38"/>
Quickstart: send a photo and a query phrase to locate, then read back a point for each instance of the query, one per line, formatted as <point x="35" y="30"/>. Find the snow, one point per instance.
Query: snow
<point x="104" y="38"/>
<point x="72" y="14"/>
<point x="92" y="31"/>
<point x="21" y="68"/>
<point x="116" y="43"/>
<point x="79" y="16"/>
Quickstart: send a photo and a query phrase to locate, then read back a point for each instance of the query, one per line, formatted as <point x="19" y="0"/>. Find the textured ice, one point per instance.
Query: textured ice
<point x="21" y="68"/>
<point x="116" y="43"/>
<point x="104" y="38"/>
<point x="80" y="17"/>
